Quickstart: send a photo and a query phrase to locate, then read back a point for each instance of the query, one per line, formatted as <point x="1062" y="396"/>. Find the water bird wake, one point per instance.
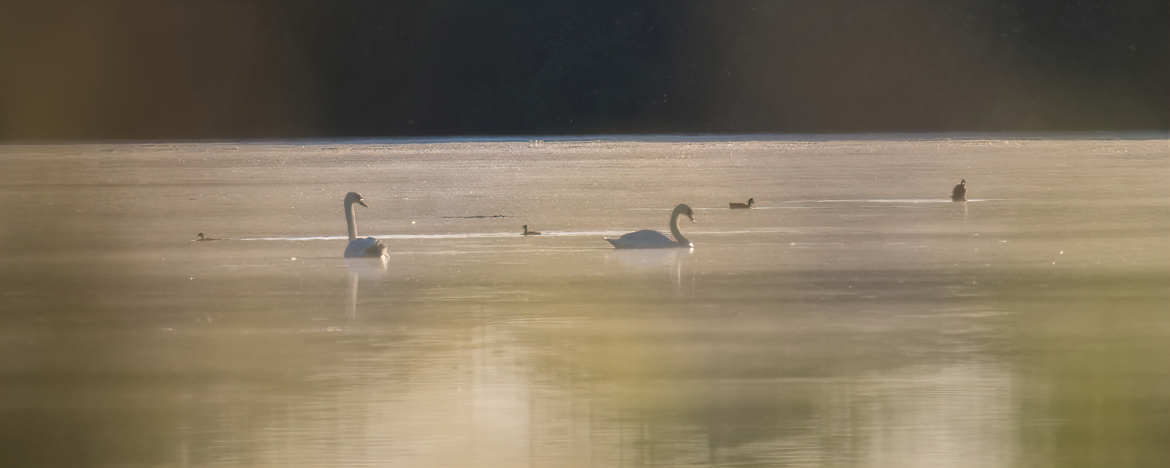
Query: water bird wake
<point x="489" y="235"/>
<point x="898" y="200"/>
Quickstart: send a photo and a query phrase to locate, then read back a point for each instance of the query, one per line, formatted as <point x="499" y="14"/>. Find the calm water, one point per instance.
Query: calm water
<point x="856" y="318"/>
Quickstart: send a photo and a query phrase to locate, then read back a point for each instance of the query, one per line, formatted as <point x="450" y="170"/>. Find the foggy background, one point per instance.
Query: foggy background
<point x="227" y="69"/>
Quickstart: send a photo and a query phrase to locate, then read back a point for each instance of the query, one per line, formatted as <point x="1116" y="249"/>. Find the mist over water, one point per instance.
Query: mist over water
<point x="855" y="317"/>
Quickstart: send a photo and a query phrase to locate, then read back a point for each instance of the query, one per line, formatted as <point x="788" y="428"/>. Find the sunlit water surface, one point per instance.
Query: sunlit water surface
<point x="856" y="317"/>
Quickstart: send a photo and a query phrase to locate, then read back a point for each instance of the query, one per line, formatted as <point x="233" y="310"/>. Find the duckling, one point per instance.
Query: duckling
<point x="742" y="206"/>
<point x="529" y="233"/>
<point x="201" y="238"/>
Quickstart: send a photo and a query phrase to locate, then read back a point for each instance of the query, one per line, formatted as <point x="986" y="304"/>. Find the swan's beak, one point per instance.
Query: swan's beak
<point x="362" y="203"/>
<point x="691" y="217"/>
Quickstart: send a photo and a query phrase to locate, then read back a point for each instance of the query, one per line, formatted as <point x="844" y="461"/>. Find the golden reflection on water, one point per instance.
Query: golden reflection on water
<point x="882" y="329"/>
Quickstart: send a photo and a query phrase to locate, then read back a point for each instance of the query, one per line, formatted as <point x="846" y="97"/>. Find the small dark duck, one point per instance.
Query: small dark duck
<point x="742" y="206"/>
<point x="960" y="191"/>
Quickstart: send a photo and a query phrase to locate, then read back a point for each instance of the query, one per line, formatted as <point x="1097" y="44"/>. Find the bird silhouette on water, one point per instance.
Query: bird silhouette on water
<point x="650" y="239"/>
<point x="742" y="206"/>
<point x="960" y="191"/>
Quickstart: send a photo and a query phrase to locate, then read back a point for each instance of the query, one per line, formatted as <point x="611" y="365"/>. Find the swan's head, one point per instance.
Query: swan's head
<point x="963" y="182"/>
<point x="200" y="235"/>
<point x="684" y="209"/>
<point x="354" y="197"/>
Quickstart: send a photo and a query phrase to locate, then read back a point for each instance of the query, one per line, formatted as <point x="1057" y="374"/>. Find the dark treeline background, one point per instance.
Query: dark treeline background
<point x="288" y="68"/>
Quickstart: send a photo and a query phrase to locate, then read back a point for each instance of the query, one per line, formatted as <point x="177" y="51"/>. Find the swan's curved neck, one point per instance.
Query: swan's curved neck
<point x="678" y="237"/>
<point x="350" y="220"/>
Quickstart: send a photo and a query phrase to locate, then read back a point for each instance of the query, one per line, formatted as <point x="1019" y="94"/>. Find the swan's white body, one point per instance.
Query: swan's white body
<point x="649" y="239"/>
<point x="359" y="247"/>
<point x="645" y="239"/>
<point x="365" y="247"/>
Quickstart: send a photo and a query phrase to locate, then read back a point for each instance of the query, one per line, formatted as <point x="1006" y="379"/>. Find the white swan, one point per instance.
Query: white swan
<point x="648" y="239"/>
<point x="366" y="246"/>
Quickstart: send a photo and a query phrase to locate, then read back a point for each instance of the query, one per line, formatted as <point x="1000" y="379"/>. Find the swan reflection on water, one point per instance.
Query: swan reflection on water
<point x="670" y="262"/>
<point x="370" y="267"/>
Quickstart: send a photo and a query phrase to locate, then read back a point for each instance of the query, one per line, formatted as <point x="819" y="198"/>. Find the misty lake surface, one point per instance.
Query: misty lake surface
<point x="855" y="317"/>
